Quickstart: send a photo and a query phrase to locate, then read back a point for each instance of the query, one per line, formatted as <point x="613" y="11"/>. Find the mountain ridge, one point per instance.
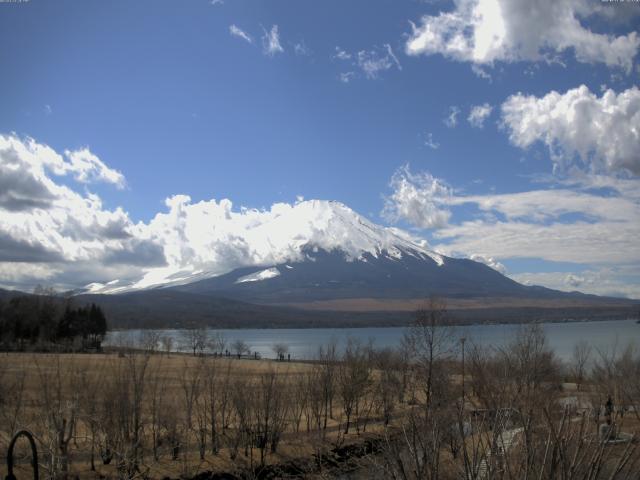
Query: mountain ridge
<point x="286" y="237"/>
<point x="330" y="276"/>
<point x="319" y="263"/>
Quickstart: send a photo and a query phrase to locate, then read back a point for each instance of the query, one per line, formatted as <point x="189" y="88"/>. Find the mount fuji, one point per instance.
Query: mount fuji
<point x="219" y="240"/>
<point x="320" y="259"/>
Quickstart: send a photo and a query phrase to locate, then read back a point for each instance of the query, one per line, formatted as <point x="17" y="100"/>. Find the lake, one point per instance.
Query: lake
<point x="303" y="343"/>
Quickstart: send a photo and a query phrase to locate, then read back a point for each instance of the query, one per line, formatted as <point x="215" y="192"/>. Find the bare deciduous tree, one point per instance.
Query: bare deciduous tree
<point x="217" y="343"/>
<point x="328" y="360"/>
<point x="299" y="392"/>
<point x="280" y="349"/>
<point x="157" y="403"/>
<point x="60" y="409"/>
<point x="240" y="348"/>
<point x="12" y="391"/>
<point x="270" y="411"/>
<point x="149" y="341"/>
<point x="579" y="361"/>
<point x="388" y="382"/>
<point x="354" y="378"/>
<point x="167" y="343"/>
<point x="90" y="388"/>
<point x="432" y="340"/>
<point x="195" y="340"/>
<point x="123" y="419"/>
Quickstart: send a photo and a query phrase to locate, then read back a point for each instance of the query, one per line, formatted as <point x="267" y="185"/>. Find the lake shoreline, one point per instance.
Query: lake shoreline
<point x="303" y="343"/>
<point x="398" y="325"/>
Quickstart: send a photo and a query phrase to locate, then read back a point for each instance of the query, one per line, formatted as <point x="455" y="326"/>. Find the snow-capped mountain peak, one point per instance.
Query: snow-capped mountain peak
<point x="331" y="225"/>
<point x="215" y="239"/>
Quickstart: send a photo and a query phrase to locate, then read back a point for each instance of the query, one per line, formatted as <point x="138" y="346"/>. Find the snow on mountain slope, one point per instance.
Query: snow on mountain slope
<point x="333" y="225"/>
<point x="261" y="275"/>
<point x="214" y="239"/>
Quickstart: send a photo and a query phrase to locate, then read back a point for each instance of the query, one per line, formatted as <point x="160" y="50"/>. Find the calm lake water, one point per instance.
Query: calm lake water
<point x="304" y="343"/>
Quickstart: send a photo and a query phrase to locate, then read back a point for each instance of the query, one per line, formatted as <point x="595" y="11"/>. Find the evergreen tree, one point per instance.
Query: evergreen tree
<point x="65" y="324"/>
<point x="41" y="318"/>
<point x="96" y="325"/>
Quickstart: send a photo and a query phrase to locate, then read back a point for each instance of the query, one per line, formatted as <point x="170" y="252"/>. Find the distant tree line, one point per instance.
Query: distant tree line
<point x="45" y="321"/>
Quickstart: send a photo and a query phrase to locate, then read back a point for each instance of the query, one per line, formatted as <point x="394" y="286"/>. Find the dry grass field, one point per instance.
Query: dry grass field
<point x="401" y="414"/>
<point x="413" y="304"/>
<point x="54" y="385"/>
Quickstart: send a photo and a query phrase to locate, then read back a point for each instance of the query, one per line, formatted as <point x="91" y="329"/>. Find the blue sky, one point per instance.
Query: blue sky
<point x="353" y="95"/>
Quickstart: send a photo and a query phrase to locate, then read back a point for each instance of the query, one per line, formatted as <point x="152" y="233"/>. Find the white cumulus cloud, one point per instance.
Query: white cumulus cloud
<point x="87" y="168"/>
<point x="63" y="235"/>
<point x="489" y="261"/>
<point x="419" y="199"/>
<point x="588" y="220"/>
<point x="603" y="132"/>
<point x="487" y="31"/>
